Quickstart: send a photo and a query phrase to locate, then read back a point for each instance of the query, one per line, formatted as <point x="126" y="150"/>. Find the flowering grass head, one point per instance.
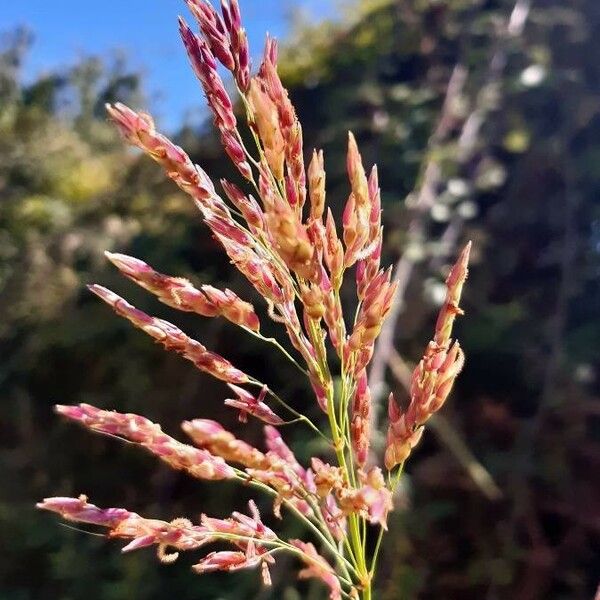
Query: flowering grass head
<point x="280" y="234"/>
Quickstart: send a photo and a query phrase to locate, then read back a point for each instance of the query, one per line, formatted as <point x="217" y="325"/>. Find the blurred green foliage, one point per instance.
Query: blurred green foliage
<point x="526" y="405"/>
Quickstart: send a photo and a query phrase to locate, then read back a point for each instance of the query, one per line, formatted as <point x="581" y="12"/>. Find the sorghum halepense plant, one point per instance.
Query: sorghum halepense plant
<point x="295" y="255"/>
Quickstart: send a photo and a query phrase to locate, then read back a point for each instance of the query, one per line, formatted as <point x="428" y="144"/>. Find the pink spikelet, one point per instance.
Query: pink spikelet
<point x="255" y="406"/>
<point x="247" y="205"/>
<point x="242" y="525"/>
<point x="239" y="43"/>
<point x="226" y="560"/>
<point x="81" y="511"/>
<point x="225" y="36"/>
<point x="319" y="568"/>
<point x="179" y="534"/>
<point x="213" y="437"/>
<point x="372" y="500"/>
<point x="215" y="32"/>
<point x="358" y="209"/>
<point x="278" y="448"/>
<point x="316" y="179"/>
<point x="291" y="240"/>
<point x="368" y="267"/>
<point x="361" y="420"/>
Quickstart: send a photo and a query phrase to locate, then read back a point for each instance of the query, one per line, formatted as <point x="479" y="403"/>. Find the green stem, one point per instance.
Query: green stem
<point x="299" y="416"/>
<point x="393" y="485"/>
<point x="376" y="551"/>
<point x="275" y="343"/>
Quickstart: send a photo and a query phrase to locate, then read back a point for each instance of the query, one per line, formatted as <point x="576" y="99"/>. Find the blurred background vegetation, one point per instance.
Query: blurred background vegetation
<point x="484" y="119"/>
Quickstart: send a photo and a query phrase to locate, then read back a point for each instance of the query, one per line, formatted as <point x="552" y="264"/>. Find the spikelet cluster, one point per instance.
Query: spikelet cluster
<point x="280" y="234"/>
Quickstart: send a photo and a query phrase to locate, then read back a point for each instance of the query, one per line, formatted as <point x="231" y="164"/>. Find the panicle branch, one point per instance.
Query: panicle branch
<point x="245" y="532"/>
<point x="434" y="376"/>
<point x="139" y="430"/>
<point x="181" y="294"/>
<point x="172" y="338"/>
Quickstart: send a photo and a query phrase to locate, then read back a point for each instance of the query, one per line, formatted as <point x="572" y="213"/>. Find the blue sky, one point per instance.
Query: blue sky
<point x="145" y="29"/>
